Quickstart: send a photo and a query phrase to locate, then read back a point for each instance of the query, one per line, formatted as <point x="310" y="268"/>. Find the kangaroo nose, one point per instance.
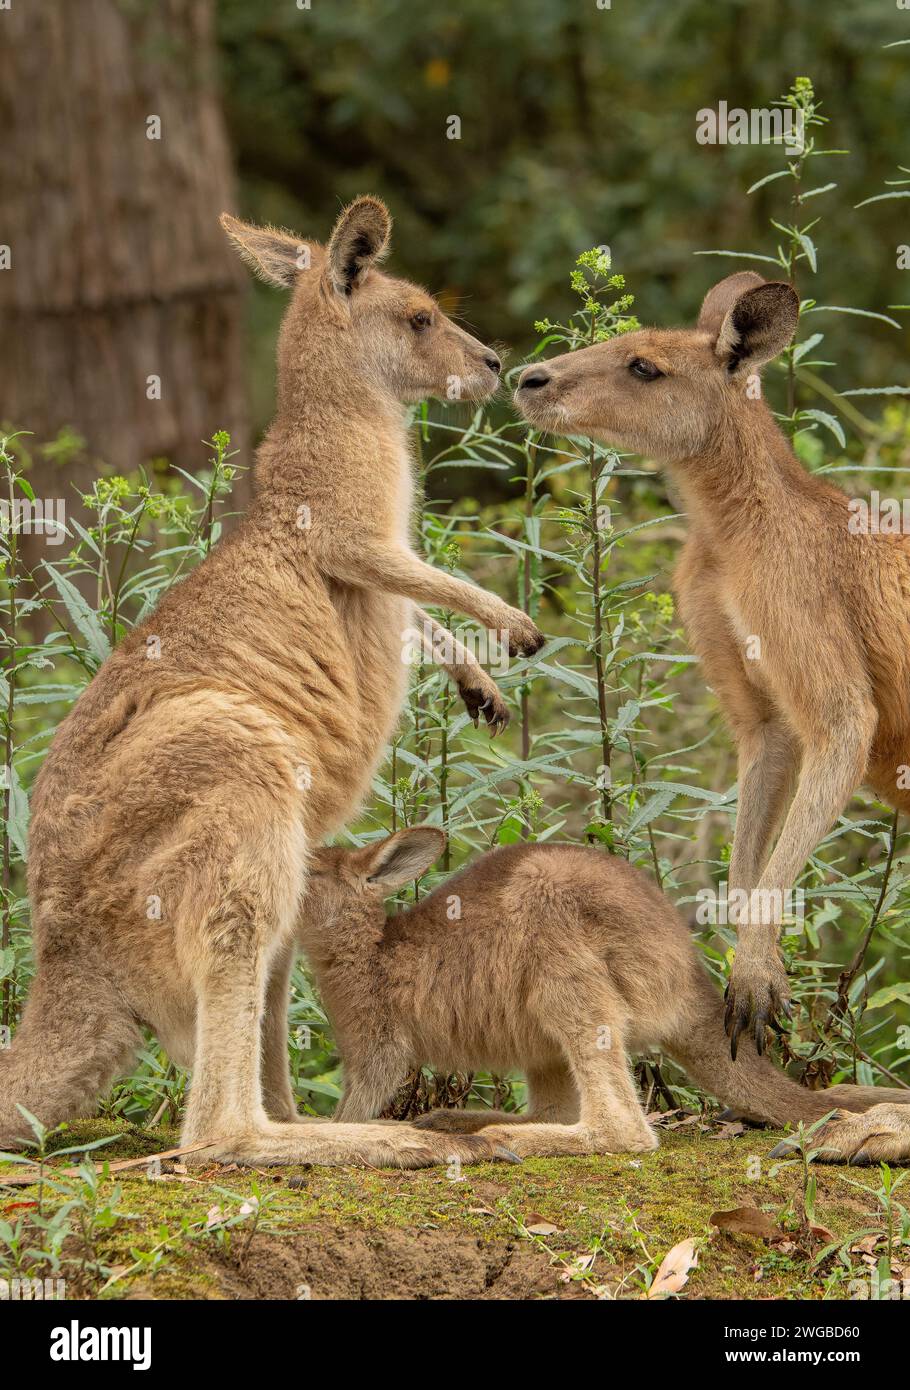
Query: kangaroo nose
<point x="533" y="379"/>
<point x="493" y="362"/>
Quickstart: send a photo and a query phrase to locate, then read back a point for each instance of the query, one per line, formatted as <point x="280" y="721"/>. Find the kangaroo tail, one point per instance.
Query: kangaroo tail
<point x="752" y="1085"/>
<point x="76" y="1034"/>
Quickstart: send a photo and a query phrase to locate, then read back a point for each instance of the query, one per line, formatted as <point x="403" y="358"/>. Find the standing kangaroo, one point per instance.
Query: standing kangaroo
<point x="801" y="620"/>
<point x="240" y="725"/>
<point x="555" y="960"/>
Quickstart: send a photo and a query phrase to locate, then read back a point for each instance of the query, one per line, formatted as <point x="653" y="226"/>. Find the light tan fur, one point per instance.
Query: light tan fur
<point x="174" y="816"/>
<point x="824" y="702"/>
<point x="554" y="960"/>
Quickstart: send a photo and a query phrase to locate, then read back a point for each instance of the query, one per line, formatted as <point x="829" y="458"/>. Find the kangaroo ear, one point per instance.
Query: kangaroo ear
<point x="275" y="256"/>
<point x="757" y="326"/>
<point x="359" y="240"/>
<point x="404" y="856"/>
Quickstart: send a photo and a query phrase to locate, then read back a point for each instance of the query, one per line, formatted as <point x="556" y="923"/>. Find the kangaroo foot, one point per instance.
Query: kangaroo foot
<point x="546" y="1141"/>
<point x="881" y="1135"/>
<point x="466" y="1121"/>
<point x="361" y="1145"/>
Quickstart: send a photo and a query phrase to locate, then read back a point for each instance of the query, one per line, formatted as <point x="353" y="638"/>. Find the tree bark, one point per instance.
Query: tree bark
<point x="119" y="273"/>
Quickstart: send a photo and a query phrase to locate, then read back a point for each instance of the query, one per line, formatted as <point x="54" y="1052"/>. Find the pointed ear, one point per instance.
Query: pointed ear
<point x="757" y="326"/>
<point x="404" y="856"/>
<point x="360" y="239"/>
<point x="275" y="256"/>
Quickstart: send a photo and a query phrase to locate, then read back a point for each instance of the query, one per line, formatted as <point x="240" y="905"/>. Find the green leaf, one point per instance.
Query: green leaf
<point x="829" y="421"/>
<point x="17" y="819"/>
<point x="626" y="717"/>
<point x="883" y="197"/>
<point x="841" y="309"/>
<point x="83" y="616"/>
<point x="769" y="178"/>
<point x="741" y="256"/>
<point x="654" y="806"/>
<point x="879" y="391"/>
<point x="800" y="349"/>
<point x="322" y="1088"/>
<point x="890" y="994"/>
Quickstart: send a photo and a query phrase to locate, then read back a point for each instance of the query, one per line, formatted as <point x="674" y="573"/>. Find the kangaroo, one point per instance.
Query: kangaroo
<point x="798" y="614"/>
<point x="239" y="726"/>
<point x="556" y="960"/>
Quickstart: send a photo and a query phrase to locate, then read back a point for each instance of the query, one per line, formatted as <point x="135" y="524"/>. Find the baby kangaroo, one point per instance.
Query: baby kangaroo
<point x="554" y="960"/>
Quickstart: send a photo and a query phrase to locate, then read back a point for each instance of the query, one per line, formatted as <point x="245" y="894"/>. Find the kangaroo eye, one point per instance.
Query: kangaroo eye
<point x="645" y="370"/>
<point x="420" y="320"/>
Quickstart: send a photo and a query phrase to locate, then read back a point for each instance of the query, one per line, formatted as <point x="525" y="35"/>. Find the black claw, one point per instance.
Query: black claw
<point x="507" y="1155"/>
<point x="728" y="1011"/>
<point x="782" y="1150"/>
<point x="786" y="1009"/>
<point x="761" y="1021"/>
<point x="742" y="1019"/>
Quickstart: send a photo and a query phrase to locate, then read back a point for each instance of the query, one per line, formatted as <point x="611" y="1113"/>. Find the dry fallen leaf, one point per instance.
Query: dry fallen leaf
<point x="729" y="1130"/>
<point x="674" y="1270"/>
<point x="538" y="1225"/>
<point x="747" y="1221"/>
<point x="822" y="1233"/>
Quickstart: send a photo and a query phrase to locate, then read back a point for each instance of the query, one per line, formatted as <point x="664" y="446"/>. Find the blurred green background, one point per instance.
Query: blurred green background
<point x="577" y="128"/>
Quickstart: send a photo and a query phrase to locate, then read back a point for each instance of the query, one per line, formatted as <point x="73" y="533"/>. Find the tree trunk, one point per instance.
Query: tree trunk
<point x="119" y="275"/>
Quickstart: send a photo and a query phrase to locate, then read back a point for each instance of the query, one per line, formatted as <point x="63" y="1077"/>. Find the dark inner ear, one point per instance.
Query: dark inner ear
<point x="361" y="249"/>
<point x="360" y="238"/>
<point x="759" y="325"/>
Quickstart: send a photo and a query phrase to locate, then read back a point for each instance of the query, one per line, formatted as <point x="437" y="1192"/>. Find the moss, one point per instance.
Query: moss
<point x="630" y="1210"/>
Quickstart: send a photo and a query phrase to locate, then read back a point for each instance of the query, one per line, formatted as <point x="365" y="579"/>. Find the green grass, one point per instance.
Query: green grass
<point x="629" y="1211"/>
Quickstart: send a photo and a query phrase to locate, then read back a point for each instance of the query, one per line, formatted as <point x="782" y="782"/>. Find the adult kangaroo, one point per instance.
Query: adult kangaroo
<point x="199" y="769"/>
<point x="798" y="614"/>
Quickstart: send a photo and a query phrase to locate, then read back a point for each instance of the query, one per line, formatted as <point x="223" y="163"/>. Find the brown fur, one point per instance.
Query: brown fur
<point x="769" y="555"/>
<point x="174" y="816"/>
<point x="555" y="960"/>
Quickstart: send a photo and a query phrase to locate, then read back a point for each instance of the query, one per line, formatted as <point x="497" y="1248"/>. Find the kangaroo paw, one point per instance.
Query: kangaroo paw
<point x="758" y="991"/>
<point x="483" y="698"/>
